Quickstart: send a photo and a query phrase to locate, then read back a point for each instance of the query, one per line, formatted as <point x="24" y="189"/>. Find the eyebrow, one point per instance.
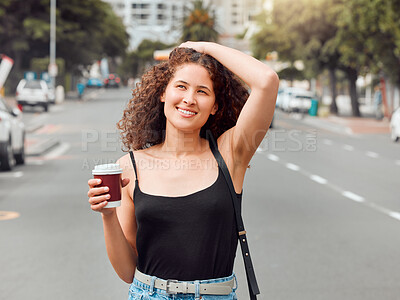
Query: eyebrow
<point x="199" y="86"/>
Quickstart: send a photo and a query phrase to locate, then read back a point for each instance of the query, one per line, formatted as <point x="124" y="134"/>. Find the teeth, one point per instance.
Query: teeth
<point x="186" y="112"/>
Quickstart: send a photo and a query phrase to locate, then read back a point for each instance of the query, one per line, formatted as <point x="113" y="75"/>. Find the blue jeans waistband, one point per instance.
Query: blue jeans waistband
<point x="136" y="284"/>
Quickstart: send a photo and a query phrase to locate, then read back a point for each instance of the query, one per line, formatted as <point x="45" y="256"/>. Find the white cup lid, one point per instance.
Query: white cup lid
<point x="107" y="169"/>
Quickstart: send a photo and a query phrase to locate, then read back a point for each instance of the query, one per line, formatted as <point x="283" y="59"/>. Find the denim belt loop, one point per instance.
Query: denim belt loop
<point x="197" y="290"/>
<point x="236" y="282"/>
<point x="153" y="280"/>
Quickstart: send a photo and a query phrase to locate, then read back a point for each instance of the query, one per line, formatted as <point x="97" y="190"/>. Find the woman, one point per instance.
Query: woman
<point x="176" y="220"/>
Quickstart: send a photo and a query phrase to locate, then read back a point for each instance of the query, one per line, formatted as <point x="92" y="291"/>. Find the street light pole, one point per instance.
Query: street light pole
<point x="53" y="66"/>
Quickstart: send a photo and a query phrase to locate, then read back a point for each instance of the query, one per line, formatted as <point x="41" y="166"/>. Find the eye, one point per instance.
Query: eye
<point x="180" y="86"/>
<point x="202" y="92"/>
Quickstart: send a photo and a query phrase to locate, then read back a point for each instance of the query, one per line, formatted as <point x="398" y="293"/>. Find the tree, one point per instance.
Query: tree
<point x="199" y="25"/>
<point x="86" y="31"/>
<point x="135" y="62"/>
<point x="304" y="30"/>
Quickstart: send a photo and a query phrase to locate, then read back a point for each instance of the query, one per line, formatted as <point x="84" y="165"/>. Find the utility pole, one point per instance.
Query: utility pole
<point x="53" y="66"/>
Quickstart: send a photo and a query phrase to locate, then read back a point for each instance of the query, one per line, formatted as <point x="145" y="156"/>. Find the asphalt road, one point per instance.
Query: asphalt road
<point x="321" y="208"/>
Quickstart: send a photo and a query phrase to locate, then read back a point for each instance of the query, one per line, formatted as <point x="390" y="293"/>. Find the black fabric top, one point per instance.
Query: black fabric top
<point x="186" y="238"/>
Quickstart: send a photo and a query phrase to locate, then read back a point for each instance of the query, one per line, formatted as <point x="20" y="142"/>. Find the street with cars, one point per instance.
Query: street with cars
<point x="320" y="205"/>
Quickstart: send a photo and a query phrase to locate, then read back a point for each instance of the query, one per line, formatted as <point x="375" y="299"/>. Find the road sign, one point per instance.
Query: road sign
<point x="5" y="67"/>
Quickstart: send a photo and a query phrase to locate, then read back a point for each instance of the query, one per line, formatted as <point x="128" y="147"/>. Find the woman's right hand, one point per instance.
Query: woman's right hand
<point x="98" y="196"/>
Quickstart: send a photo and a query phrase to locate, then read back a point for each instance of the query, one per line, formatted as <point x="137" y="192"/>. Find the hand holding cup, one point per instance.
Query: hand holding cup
<point x="105" y="189"/>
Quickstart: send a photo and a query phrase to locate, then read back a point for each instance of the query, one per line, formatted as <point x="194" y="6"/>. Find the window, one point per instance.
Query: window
<point x="161" y="6"/>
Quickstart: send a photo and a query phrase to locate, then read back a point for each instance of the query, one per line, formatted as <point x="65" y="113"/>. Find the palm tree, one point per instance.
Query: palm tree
<point x="199" y="25"/>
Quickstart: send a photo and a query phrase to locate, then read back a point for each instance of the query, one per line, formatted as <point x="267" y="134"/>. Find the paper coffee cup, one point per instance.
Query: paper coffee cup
<point x="110" y="175"/>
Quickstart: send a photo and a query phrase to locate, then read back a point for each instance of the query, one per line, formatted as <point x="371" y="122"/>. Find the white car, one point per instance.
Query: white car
<point x="32" y="93"/>
<point x="294" y="99"/>
<point x="12" y="137"/>
<point x="395" y="125"/>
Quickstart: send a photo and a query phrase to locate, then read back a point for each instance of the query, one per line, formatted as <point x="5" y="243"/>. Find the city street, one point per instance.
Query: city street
<point x="321" y="206"/>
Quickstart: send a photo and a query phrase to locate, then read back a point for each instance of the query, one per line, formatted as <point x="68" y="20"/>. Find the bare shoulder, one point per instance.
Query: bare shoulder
<point x="127" y="167"/>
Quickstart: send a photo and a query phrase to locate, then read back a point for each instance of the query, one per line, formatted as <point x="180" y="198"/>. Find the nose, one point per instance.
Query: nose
<point x="189" y="100"/>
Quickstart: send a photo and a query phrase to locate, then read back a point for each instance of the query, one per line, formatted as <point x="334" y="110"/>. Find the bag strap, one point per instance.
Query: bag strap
<point x="251" y="277"/>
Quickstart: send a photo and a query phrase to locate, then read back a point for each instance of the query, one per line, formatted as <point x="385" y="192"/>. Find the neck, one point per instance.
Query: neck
<point x="178" y="143"/>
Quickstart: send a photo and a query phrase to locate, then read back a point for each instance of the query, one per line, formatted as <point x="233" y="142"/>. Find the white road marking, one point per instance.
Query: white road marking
<point x="292" y="167"/>
<point x="348" y="147"/>
<point x="353" y="196"/>
<point x="372" y="154"/>
<point x="273" y="157"/>
<point x="395" y="214"/>
<point x="318" y="179"/>
<point x="327" y="142"/>
<point x="59" y="150"/>
<point x="350" y="195"/>
<point x="17" y="174"/>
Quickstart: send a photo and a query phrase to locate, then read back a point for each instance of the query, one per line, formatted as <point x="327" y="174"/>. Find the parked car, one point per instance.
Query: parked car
<point x="294" y="99"/>
<point x="32" y="93"/>
<point x="94" y="83"/>
<point x="113" y="80"/>
<point x="12" y="136"/>
<point x="395" y="125"/>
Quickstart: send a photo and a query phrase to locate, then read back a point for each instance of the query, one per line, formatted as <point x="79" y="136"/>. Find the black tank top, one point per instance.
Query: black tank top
<point x="186" y="238"/>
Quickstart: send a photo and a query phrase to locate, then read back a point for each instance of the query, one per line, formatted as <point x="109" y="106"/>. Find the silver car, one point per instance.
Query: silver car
<point x="32" y="93"/>
<point x="12" y="137"/>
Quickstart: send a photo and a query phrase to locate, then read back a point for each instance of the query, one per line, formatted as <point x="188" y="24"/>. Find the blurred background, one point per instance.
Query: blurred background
<point x="321" y="199"/>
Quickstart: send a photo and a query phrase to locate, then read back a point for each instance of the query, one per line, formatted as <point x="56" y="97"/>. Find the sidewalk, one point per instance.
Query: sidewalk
<point x="346" y="123"/>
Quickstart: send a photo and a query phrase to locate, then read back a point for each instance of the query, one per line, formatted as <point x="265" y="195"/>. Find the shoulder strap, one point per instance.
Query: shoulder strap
<point x="251" y="277"/>
<point x="133" y="163"/>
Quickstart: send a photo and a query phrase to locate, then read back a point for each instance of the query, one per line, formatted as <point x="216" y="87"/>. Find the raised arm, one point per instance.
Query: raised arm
<point x="257" y="113"/>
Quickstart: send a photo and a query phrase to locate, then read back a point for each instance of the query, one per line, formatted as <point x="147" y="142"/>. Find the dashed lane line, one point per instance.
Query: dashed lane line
<point x="353" y="196"/>
<point x="348" y="147"/>
<point x="347" y="194"/>
<point x="273" y="157"/>
<point x="292" y="167"/>
<point x="372" y="154"/>
<point x="318" y="179"/>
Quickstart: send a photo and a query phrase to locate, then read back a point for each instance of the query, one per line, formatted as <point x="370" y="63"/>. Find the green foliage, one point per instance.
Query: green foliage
<point x="135" y="62"/>
<point x="199" y="25"/>
<point x="86" y="31"/>
<point x="291" y="73"/>
<point x="41" y="65"/>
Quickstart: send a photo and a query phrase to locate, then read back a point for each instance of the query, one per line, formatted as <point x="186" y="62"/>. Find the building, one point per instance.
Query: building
<point x="151" y="19"/>
<point x="163" y="20"/>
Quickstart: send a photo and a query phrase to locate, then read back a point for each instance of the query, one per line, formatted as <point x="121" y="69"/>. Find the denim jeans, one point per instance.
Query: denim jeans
<point x="142" y="291"/>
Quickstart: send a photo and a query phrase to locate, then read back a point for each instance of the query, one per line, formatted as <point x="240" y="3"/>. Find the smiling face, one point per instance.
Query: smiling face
<point x="189" y="98"/>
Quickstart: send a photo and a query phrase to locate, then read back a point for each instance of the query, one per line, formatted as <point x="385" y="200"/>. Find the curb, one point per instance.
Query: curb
<point x="41" y="147"/>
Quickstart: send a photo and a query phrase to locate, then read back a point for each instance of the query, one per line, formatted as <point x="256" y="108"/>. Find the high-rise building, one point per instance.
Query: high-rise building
<point x="151" y="19"/>
<point x="163" y="20"/>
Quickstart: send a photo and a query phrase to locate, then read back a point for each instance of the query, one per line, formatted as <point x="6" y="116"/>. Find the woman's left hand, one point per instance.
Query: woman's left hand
<point x="198" y="46"/>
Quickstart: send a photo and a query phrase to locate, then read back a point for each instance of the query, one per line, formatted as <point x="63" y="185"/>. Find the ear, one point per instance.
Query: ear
<point x="214" y="109"/>
<point x="163" y="98"/>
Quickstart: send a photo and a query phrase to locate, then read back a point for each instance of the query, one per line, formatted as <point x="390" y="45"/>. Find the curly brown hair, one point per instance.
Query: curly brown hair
<point x="143" y="122"/>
